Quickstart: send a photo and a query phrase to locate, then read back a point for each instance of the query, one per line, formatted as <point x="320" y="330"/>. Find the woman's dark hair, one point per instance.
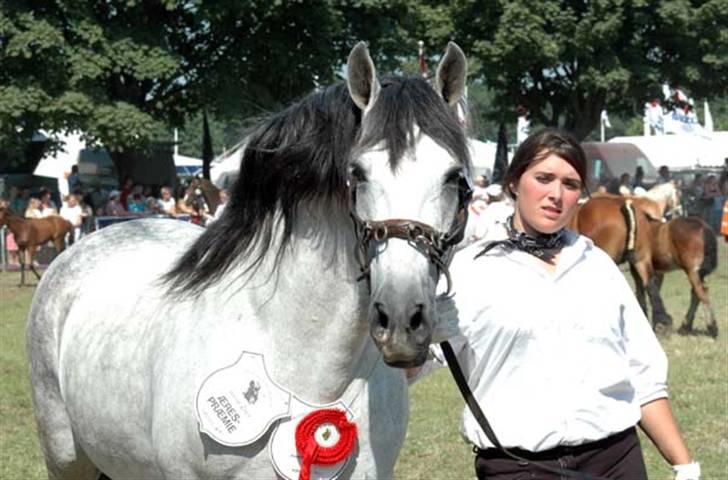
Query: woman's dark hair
<point x="540" y="144"/>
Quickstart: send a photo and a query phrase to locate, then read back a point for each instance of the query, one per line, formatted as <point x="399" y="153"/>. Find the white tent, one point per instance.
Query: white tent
<point x="187" y="166"/>
<point x="482" y="155"/>
<point x="59" y="165"/>
<point x="681" y="151"/>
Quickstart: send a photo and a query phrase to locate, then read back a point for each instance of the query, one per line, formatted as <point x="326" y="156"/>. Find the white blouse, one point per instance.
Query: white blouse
<point x="557" y="358"/>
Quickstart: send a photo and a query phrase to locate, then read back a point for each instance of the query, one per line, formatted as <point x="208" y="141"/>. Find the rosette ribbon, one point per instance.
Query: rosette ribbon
<point x="312" y="434"/>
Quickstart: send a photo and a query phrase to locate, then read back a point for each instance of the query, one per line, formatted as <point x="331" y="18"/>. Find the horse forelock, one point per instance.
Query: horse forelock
<point x="408" y="106"/>
<point x="300" y="157"/>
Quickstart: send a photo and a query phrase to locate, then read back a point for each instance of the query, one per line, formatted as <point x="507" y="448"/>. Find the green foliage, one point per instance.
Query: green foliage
<point x="121" y="72"/>
<point x="567" y="60"/>
<point x="124" y="71"/>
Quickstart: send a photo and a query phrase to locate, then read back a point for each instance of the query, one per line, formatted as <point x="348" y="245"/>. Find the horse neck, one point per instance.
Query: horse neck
<point x="14" y="222"/>
<point x="315" y="310"/>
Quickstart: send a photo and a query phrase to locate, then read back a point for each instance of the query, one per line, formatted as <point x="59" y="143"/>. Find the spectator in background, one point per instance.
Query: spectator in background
<point x="624" y="189"/>
<point x="479" y="198"/>
<point x="166" y="203"/>
<point x="72" y="211"/>
<point x="639" y="178"/>
<point x="712" y="202"/>
<point x="96" y="200"/>
<point x="17" y="200"/>
<point x="114" y="206"/>
<point x="47" y="206"/>
<point x="87" y="213"/>
<point x="136" y="203"/>
<point x="126" y="191"/>
<point x="74" y="181"/>
<point x="11" y="246"/>
<point x="220" y="208"/>
<point x="663" y="175"/>
<point x="33" y="210"/>
<point x="152" y="207"/>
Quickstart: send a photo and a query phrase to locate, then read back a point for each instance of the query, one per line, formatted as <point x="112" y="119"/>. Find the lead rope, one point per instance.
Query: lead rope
<point x="475" y="409"/>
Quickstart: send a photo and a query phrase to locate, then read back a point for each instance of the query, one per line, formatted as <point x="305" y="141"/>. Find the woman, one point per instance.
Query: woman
<point x="551" y="338"/>
<point x="34" y="208"/>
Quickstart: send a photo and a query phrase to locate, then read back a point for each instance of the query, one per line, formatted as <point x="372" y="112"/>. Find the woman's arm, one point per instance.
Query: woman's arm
<point x="659" y="424"/>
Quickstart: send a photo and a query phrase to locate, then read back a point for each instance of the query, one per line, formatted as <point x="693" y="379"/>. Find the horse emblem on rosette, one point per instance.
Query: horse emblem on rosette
<point x="319" y="277"/>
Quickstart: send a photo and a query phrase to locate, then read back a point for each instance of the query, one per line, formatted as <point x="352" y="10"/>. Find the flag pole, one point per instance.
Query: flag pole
<point x="422" y="61"/>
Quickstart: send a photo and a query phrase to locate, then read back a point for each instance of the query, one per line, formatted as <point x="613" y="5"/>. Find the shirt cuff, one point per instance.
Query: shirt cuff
<point x="656" y="395"/>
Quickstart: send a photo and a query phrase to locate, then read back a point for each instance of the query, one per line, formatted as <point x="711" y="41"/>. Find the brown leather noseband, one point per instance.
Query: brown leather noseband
<point x="435" y="245"/>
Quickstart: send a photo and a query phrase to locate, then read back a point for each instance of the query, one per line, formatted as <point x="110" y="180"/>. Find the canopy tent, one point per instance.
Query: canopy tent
<point x="58" y="165"/>
<point x="187" y="166"/>
<point x="680" y="152"/>
<point x="482" y="155"/>
<point x="94" y="163"/>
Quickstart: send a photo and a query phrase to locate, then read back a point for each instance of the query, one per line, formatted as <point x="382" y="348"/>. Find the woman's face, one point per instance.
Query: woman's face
<point x="546" y="195"/>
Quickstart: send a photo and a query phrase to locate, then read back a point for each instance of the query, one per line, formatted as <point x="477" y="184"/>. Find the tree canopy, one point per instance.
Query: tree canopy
<point x="126" y="73"/>
<point x="566" y="60"/>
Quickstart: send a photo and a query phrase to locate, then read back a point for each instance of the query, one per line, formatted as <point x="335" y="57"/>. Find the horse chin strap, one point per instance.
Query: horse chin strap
<point x="435" y="245"/>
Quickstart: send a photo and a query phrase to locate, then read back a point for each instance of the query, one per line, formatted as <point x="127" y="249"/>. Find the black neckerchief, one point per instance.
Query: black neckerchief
<point x="541" y="247"/>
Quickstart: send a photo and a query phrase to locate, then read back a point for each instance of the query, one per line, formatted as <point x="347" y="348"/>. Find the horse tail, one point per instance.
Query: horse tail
<point x="631" y="223"/>
<point x="710" y="252"/>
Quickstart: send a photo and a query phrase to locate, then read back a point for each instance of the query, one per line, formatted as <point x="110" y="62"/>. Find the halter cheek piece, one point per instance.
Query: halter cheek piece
<point x="433" y="244"/>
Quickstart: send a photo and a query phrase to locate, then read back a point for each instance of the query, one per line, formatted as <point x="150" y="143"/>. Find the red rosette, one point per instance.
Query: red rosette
<point x="324" y="437"/>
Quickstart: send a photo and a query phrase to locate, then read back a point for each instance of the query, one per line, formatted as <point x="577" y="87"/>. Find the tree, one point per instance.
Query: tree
<point x="566" y="60"/>
<point x="125" y="73"/>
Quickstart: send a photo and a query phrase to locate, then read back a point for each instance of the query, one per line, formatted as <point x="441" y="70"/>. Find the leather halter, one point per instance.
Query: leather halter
<point x="435" y="245"/>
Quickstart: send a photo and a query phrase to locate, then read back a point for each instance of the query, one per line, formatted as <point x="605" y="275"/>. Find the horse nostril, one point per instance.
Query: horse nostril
<point x="382" y="317"/>
<point x="418" y="317"/>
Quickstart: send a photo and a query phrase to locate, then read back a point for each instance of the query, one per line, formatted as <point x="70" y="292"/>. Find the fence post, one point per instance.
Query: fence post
<point x="3" y="251"/>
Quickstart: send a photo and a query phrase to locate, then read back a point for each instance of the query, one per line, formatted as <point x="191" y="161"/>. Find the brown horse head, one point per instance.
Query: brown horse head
<point x="5" y="212"/>
<point x="202" y="195"/>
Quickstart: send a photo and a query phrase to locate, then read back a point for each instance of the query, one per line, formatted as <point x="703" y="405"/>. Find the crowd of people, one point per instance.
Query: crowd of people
<point x="86" y="204"/>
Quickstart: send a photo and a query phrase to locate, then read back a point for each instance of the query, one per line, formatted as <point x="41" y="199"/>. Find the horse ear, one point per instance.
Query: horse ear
<point x="362" y="77"/>
<point x="451" y="74"/>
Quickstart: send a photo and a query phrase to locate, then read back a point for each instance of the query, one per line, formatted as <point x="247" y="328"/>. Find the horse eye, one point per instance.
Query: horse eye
<point x="357" y="174"/>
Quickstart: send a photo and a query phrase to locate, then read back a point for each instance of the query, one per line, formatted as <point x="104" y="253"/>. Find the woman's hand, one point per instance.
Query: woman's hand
<point x="688" y="471"/>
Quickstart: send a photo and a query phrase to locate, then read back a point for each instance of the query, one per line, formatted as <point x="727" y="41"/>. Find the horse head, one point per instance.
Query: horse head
<point x="674" y="200"/>
<point x="202" y="195"/>
<point x="409" y="192"/>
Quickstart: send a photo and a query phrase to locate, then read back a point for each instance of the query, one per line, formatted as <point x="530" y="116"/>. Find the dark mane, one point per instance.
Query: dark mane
<point x="300" y="157"/>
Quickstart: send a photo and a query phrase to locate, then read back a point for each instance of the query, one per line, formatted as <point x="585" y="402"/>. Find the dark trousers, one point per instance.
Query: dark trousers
<point x="615" y="457"/>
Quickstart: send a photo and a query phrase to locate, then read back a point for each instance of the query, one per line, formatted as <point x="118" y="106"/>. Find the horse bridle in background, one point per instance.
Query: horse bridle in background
<point x="435" y="245"/>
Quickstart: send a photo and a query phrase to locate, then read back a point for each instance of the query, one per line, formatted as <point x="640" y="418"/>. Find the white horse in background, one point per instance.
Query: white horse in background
<point x="363" y="180"/>
<point x="666" y="196"/>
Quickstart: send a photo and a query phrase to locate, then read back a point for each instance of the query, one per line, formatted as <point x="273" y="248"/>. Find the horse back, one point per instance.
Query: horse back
<point x="600" y="219"/>
<point x="605" y="220"/>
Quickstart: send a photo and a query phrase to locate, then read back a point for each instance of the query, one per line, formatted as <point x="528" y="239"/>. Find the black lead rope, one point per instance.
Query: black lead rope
<point x="472" y="404"/>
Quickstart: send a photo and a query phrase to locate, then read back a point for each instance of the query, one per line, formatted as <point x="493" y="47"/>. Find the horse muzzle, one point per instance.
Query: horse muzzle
<point x="401" y="329"/>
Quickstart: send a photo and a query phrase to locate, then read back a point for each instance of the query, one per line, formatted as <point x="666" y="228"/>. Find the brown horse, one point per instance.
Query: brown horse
<point x="31" y="233"/>
<point x="201" y="197"/>
<point x="621" y="228"/>
<point x="689" y="244"/>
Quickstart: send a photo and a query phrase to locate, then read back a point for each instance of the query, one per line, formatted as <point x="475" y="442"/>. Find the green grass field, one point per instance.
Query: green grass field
<point x="433" y="448"/>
